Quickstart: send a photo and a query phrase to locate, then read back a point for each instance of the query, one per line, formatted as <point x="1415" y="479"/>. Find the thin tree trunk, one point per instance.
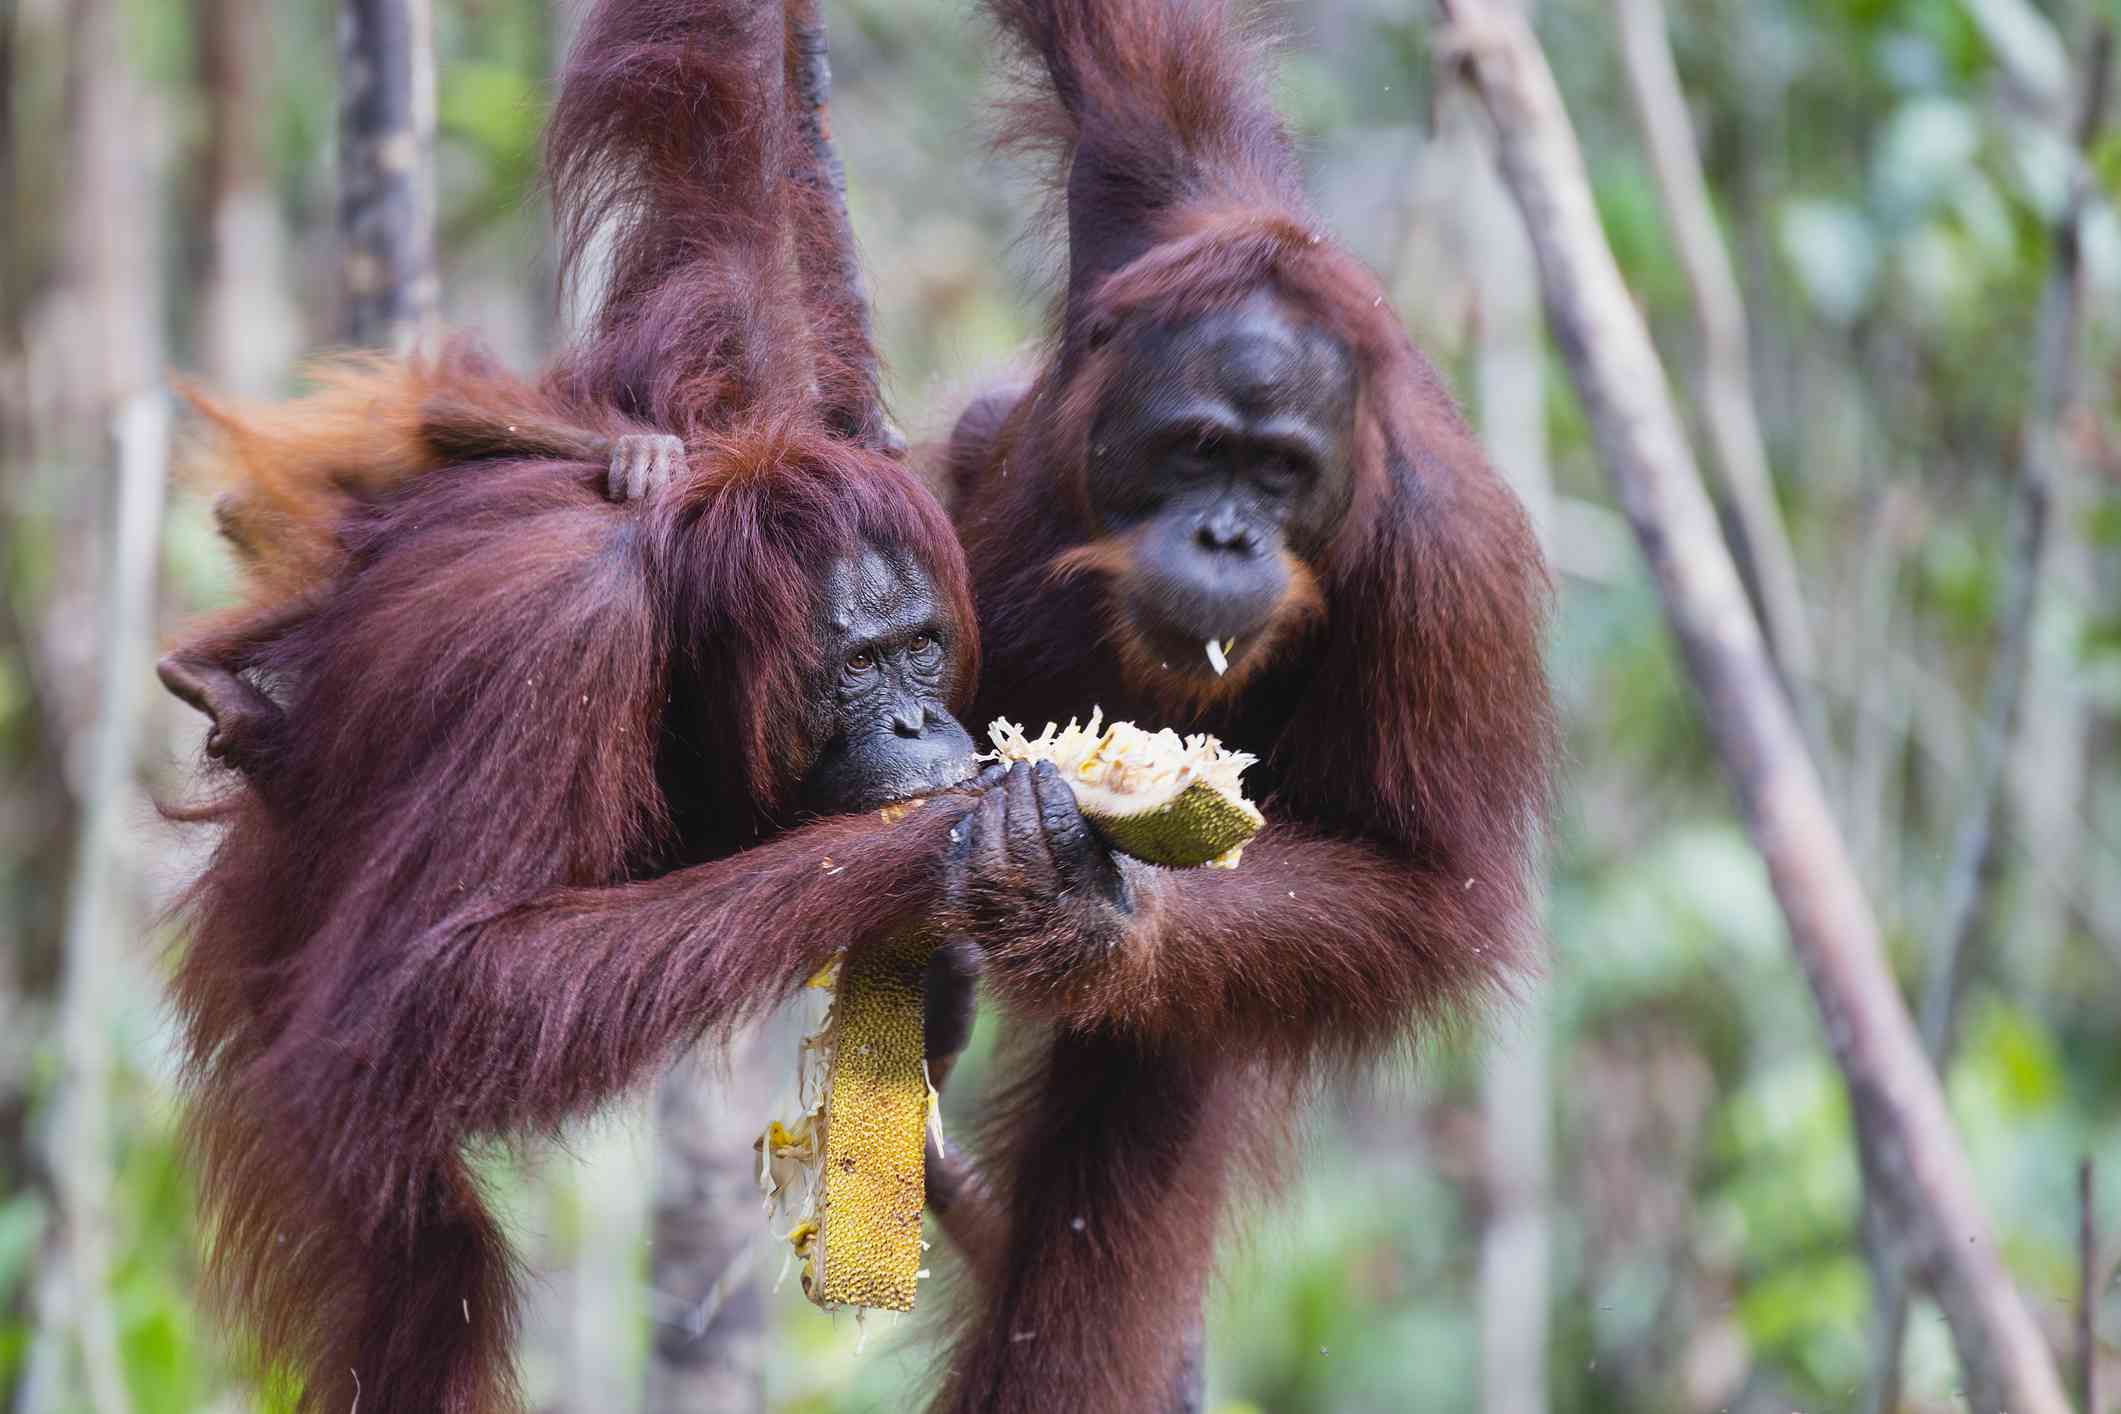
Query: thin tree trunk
<point x="2051" y="757"/>
<point x="246" y="327"/>
<point x="10" y="297"/>
<point x="1879" y="733"/>
<point x="611" y="1206"/>
<point x="1515" y="1237"/>
<point x="104" y="320"/>
<point x="2029" y="52"/>
<point x="2089" y="1270"/>
<point x="92" y="346"/>
<point x="1510" y="387"/>
<point x="388" y="283"/>
<point x="1910" y="1154"/>
<point x="1724" y="380"/>
<point x="2041" y="458"/>
<point x="708" y="1295"/>
<point x="2049" y="769"/>
<point x="1976" y="853"/>
<point x="75" y="1305"/>
<point x="15" y="1022"/>
<point x="586" y="1218"/>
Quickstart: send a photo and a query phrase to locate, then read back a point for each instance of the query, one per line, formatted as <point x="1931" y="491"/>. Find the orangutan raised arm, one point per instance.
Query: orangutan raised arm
<point x="1235" y="499"/>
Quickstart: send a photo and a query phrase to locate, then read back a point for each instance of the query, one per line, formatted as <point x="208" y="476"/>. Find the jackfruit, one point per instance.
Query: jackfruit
<point x="868" y="1105"/>
<point x="876" y="1115"/>
<point x="1162" y="798"/>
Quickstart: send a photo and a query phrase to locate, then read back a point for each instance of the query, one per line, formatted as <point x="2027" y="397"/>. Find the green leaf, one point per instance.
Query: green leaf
<point x="2013" y="1053"/>
<point x="1804" y="1298"/>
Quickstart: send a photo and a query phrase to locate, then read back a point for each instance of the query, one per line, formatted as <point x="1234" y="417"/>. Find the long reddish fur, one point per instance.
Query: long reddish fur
<point x="519" y="833"/>
<point x="1405" y="729"/>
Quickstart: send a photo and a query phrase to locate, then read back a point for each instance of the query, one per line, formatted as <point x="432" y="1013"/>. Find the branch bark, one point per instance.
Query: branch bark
<point x="2028" y="51"/>
<point x="1904" y="1136"/>
<point x="103" y="346"/>
<point x="91" y="348"/>
<point x="388" y="282"/>
<point x="1515" y="1097"/>
<point x="2055" y="391"/>
<point x="246" y="328"/>
<point x="77" y="1303"/>
<point x="10" y="295"/>
<point x="1724" y="382"/>
<point x="2088" y="1273"/>
<point x="710" y="1344"/>
<point x="1976" y="852"/>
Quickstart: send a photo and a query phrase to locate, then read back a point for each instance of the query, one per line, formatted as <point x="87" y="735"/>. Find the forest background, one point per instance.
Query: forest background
<point x="1639" y="1193"/>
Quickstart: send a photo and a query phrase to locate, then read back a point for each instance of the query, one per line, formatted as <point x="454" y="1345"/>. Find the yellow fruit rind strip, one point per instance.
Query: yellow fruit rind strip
<point x="876" y="1121"/>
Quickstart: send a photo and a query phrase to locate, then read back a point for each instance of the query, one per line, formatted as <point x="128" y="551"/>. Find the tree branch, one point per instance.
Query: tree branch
<point x="2055" y="390"/>
<point x="80" y="1139"/>
<point x="1903" y="1132"/>
<point x="711" y="1335"/>
<point x="2027" y="50"/>
<point x="1977" y="855"/>
<point x="1515" y="1096"/>
<point x="2088" y="1274"/>
<point x="1725" y="380"/>
<point x="388" y="284"/>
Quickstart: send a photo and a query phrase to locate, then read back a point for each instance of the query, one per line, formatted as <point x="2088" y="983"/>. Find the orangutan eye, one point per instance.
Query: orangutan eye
<point x="1281" y="473"/>
<point x="1192" y="453"/>
<point x="861" y="662"/>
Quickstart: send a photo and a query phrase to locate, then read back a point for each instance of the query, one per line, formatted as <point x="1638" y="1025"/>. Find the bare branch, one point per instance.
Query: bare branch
<point x="246" y="329"/>
<point x="1724" y="381"/>
<point x="80" y="1161"/>
<point x="2056" y="388"/>
<point x="2027" y="49"/>
<point x="712" y="1335"/>
<point x="388" y="284"/>
<point x="1977" y="855"/>
<point x="1516" y="1100"/>
<point x="1903" y="1132"/>
<point x="2088" y="1273"/>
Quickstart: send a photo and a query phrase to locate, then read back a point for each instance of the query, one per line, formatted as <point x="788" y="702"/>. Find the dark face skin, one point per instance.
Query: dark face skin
<point x="1224" y="442"/>
<point x="890" y="667"/>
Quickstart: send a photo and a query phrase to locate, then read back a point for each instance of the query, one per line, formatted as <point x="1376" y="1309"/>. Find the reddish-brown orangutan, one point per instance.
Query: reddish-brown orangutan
<point x="508" y="765"/>
<point x="1235" y="499"/>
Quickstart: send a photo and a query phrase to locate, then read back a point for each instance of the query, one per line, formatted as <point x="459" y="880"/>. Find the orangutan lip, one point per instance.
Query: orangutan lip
<point x="1194" y="654"/>
<point x="950" y="773"/>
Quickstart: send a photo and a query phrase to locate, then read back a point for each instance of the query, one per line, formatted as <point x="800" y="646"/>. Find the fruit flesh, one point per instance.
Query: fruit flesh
<point x="1165" y="800"/>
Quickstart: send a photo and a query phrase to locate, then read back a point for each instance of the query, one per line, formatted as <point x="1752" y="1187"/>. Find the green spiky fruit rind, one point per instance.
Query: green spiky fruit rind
<point x="1200" y="827"/>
